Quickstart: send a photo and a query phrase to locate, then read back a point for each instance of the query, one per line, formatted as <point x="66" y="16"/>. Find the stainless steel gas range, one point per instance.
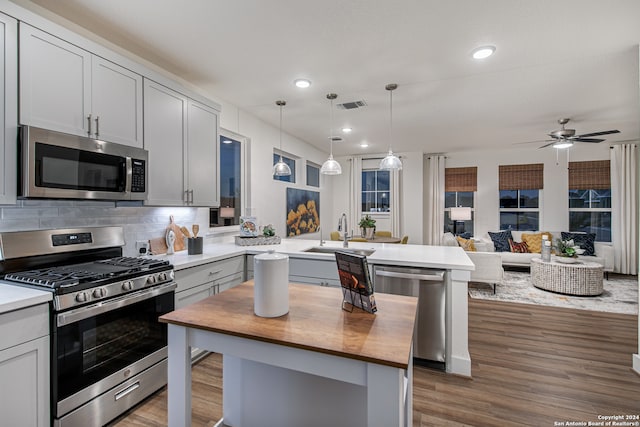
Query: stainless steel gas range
<point x="108" y="351"/>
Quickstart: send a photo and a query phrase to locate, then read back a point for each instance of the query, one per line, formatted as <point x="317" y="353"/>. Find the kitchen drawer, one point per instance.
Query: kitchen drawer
<point x="20" y="326"/>
<point x="193" y="295"/>
<point x="314" y="281"/>
<point x="198" y="275"/>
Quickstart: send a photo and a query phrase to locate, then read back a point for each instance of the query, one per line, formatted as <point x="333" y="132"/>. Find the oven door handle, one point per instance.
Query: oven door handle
<point x="72" y="316"/>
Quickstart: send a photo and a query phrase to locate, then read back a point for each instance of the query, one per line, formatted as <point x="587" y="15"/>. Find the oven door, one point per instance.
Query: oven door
<point x="97" y="347"/>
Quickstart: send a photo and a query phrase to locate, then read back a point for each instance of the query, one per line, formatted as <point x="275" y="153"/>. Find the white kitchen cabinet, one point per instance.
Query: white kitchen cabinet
<point x="24" y="367"/>
<point x="181" y="136"/>
<point x="314" y="272"/>
<point x="68" y="89"/>
<point x="8" y="108"/>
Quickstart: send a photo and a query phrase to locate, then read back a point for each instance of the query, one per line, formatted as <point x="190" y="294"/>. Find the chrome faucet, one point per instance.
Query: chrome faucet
<point x="321" y="240"/>
<point x="343" y="221"/>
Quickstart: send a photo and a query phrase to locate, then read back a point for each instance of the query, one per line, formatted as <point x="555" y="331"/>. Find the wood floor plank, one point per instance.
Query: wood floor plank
<point x="531" y="366"/>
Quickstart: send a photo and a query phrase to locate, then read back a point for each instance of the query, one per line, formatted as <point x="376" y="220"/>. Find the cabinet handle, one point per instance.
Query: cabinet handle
<point x="186" y="197"/>
<point x="213" y="273"/>
<point x="191" y="200"/>
<point x="89" y="125"/>
<point x="97" y="126"/>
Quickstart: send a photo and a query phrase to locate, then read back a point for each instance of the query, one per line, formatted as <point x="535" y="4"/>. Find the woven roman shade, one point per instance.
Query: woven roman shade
<point x="591" y="175"/>
<point x="461" y="179"/>
<point x="521" y="177"/>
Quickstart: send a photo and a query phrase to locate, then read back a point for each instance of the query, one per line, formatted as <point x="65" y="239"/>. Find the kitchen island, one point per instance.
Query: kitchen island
<point x="317" y="365"/>
<point x="453" y="260"/>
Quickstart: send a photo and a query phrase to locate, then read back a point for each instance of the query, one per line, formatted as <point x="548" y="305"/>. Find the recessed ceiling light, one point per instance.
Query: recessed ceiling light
<point x="227" y="141"/>
<point x="302" y="83"/>
<point x="483" y="52"/>
<point x="364" y="145"/>
<point x="346" y="130"/>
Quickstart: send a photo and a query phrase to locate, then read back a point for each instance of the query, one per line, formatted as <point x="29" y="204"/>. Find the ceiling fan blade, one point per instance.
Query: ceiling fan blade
<point x="604" y="132"/>
<point x="587" y="139"/>
<point x="531" y="142"/>
<point x="551" y="143"/>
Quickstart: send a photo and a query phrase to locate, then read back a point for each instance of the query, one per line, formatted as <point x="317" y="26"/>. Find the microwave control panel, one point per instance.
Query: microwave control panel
<point x="138" y="169"/>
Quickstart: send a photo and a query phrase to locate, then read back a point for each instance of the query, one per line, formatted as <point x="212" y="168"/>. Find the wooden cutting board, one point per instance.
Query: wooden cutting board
<point x="158" y="245"/>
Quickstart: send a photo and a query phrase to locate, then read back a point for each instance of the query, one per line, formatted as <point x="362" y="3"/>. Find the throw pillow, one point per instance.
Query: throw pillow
<point x="449" y="239"/>
<point x="501" y="240"/>
<point x="466" y="244"/>
<point x="518" y="247"/>
<point x="533" y="241"/>
<point x="584" y="240"/>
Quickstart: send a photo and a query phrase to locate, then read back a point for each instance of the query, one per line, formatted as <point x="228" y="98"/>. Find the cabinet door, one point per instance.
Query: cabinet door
<point x="116" y="103"/>
<point x="54" y="82"/>
<point x="194" y="294"/>
<point x="24" y="374"/>
<point x="8" y="108"/>
<point x="202" y="155"/>
<point x="164" y="137"/>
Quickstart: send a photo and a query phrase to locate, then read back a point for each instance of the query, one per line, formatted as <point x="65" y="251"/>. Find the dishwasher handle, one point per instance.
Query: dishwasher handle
<point x="436" y="276"/>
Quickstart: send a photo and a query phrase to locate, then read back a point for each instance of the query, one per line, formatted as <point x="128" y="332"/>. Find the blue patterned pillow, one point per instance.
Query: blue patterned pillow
<point x="584" y="240"/>
<point x="501" y="240"/>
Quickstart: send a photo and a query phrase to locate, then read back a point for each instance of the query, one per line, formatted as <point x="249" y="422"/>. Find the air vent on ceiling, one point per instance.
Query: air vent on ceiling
<point x="352" y="105"/>
<point x="336" y="138"/>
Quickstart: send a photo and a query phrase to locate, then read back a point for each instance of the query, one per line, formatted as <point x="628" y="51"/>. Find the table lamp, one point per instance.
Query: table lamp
<point x="459" y="214"/>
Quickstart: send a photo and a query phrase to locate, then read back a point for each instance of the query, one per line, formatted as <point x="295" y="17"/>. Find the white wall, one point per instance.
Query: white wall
<point x="554" y="202"/>
<point x="268" y="196"/>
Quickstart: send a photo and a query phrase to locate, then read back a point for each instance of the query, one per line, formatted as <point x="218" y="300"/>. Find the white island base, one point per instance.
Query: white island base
<point x="290" y="383"/>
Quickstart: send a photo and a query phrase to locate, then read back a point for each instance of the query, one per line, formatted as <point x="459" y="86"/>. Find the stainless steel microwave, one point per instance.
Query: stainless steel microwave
<point x="61" y="166"/>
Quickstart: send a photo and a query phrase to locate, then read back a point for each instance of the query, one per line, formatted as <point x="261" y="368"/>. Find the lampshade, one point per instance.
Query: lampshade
<point x="391" y="161"/>
<point x="227" y="212"/>
<point x="281" y="168"/>
<point x="460" y="214"/>
<point x="331" y="166"/>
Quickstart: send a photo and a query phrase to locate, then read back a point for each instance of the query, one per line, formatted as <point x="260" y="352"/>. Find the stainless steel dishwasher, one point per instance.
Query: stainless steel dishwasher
<point x="429" y="286"/>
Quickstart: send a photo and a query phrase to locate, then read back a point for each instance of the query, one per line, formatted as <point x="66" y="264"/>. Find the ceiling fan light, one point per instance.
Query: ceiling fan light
<point x="281" y="168"/>
<point x="563" y="144"/>
<point x="331" y="167"/>
<point x="302" y="83"/>
<point x="391" y="162"/>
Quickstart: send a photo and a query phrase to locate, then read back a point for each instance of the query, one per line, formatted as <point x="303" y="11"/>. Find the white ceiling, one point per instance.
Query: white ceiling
<point x="554" y="58"/>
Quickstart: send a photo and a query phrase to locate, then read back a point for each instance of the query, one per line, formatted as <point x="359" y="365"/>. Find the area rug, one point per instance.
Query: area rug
<point x="620" y="294"/>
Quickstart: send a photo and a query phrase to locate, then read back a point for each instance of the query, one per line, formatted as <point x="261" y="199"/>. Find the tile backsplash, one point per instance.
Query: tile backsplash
<point x="139" y="222"/>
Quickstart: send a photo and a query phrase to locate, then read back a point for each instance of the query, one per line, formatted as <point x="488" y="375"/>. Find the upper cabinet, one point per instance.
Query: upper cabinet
<point x="181" y="136"/>
<point x="8" y="110"/>
<point x="68" y="89"/>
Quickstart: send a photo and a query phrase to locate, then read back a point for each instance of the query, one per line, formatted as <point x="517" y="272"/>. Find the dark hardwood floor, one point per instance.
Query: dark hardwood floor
<point x="531" y="366"/>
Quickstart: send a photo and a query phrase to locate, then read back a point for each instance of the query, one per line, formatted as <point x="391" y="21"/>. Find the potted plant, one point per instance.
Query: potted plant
<point x="367" y="226"/>
<point x="566" y="251"/>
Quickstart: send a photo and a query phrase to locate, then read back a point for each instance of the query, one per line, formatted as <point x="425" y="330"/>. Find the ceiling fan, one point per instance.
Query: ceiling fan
<point x="565" y="138"/>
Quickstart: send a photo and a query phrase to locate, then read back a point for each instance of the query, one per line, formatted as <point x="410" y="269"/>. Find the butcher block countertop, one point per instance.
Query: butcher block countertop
<point x="315" y="322"/>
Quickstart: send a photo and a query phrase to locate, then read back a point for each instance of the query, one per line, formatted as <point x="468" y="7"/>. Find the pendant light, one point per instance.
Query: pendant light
<point x="331" y="166"/>
<point x="391" y="161"/>
<point x="281" y="168"/>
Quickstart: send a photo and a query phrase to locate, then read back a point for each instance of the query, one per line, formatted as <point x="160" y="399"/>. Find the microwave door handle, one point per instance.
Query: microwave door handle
<point x="128" y="165"/>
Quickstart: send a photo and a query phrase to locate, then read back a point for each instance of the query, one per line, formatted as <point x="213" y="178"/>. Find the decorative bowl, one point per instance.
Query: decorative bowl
<point x="566" y="259"/>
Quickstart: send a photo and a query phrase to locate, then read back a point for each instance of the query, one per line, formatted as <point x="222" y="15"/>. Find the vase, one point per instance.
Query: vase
<point x="368" y="233"/>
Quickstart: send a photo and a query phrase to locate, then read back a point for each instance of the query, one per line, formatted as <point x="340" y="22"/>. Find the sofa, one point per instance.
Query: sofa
<point x="604" y="253"/>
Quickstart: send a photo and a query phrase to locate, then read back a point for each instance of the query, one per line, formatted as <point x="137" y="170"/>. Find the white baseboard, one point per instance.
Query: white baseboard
<point x="636" y="363"/>
<point x="459" y="366"/>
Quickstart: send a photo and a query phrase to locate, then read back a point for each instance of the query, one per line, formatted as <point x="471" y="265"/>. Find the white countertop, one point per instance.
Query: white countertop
<point x="444" y="257"/>
<point x="16" y="297"/>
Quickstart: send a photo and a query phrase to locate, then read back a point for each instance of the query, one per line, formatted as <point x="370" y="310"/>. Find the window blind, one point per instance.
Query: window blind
<point x="461" y="179"/>
<point x="521" y="177"/>
<point x="590" y="175"/>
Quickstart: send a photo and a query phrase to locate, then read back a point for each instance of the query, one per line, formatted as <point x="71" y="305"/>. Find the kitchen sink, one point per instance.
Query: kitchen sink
<point x="327" y="250"/>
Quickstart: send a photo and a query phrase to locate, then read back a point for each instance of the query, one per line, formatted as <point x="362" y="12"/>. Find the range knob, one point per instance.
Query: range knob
<point x="99" y="293"/>
<point x="162" y="276"/>
<point x="81" y="297"/>
<point x="151" y="279"/>
<point x="127" y="286"/>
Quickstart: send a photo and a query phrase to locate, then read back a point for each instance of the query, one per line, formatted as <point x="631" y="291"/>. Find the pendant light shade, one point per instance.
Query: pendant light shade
<point x="391" y="162"/>
<point x="281" y="168"/>
<point x="331" y="166"/>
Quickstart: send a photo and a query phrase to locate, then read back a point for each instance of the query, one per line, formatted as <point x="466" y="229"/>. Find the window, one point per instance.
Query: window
<point x="313" y="175"/>
<point x="460" y="185"/>
<point x="231" y="181"/>
<point x="519" y="188"/>
<point x="590" y="198"/>
<point x="292" y="165"/>
<point x="375" y="191"/>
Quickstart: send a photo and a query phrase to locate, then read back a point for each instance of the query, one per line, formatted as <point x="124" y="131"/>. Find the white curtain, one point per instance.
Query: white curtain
<point x="396" y="186"/>
<point x="355" y="194"/>
<point x="624" y="194"/>
<point x="434" y="200"/>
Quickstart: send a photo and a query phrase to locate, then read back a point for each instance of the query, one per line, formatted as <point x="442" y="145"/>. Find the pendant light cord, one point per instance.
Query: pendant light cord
<point x="390" y="118"/>
<point x="331" y="128"/>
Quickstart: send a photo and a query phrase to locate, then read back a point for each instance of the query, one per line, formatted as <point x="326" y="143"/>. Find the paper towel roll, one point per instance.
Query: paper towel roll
<point x="271" y="284"/>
